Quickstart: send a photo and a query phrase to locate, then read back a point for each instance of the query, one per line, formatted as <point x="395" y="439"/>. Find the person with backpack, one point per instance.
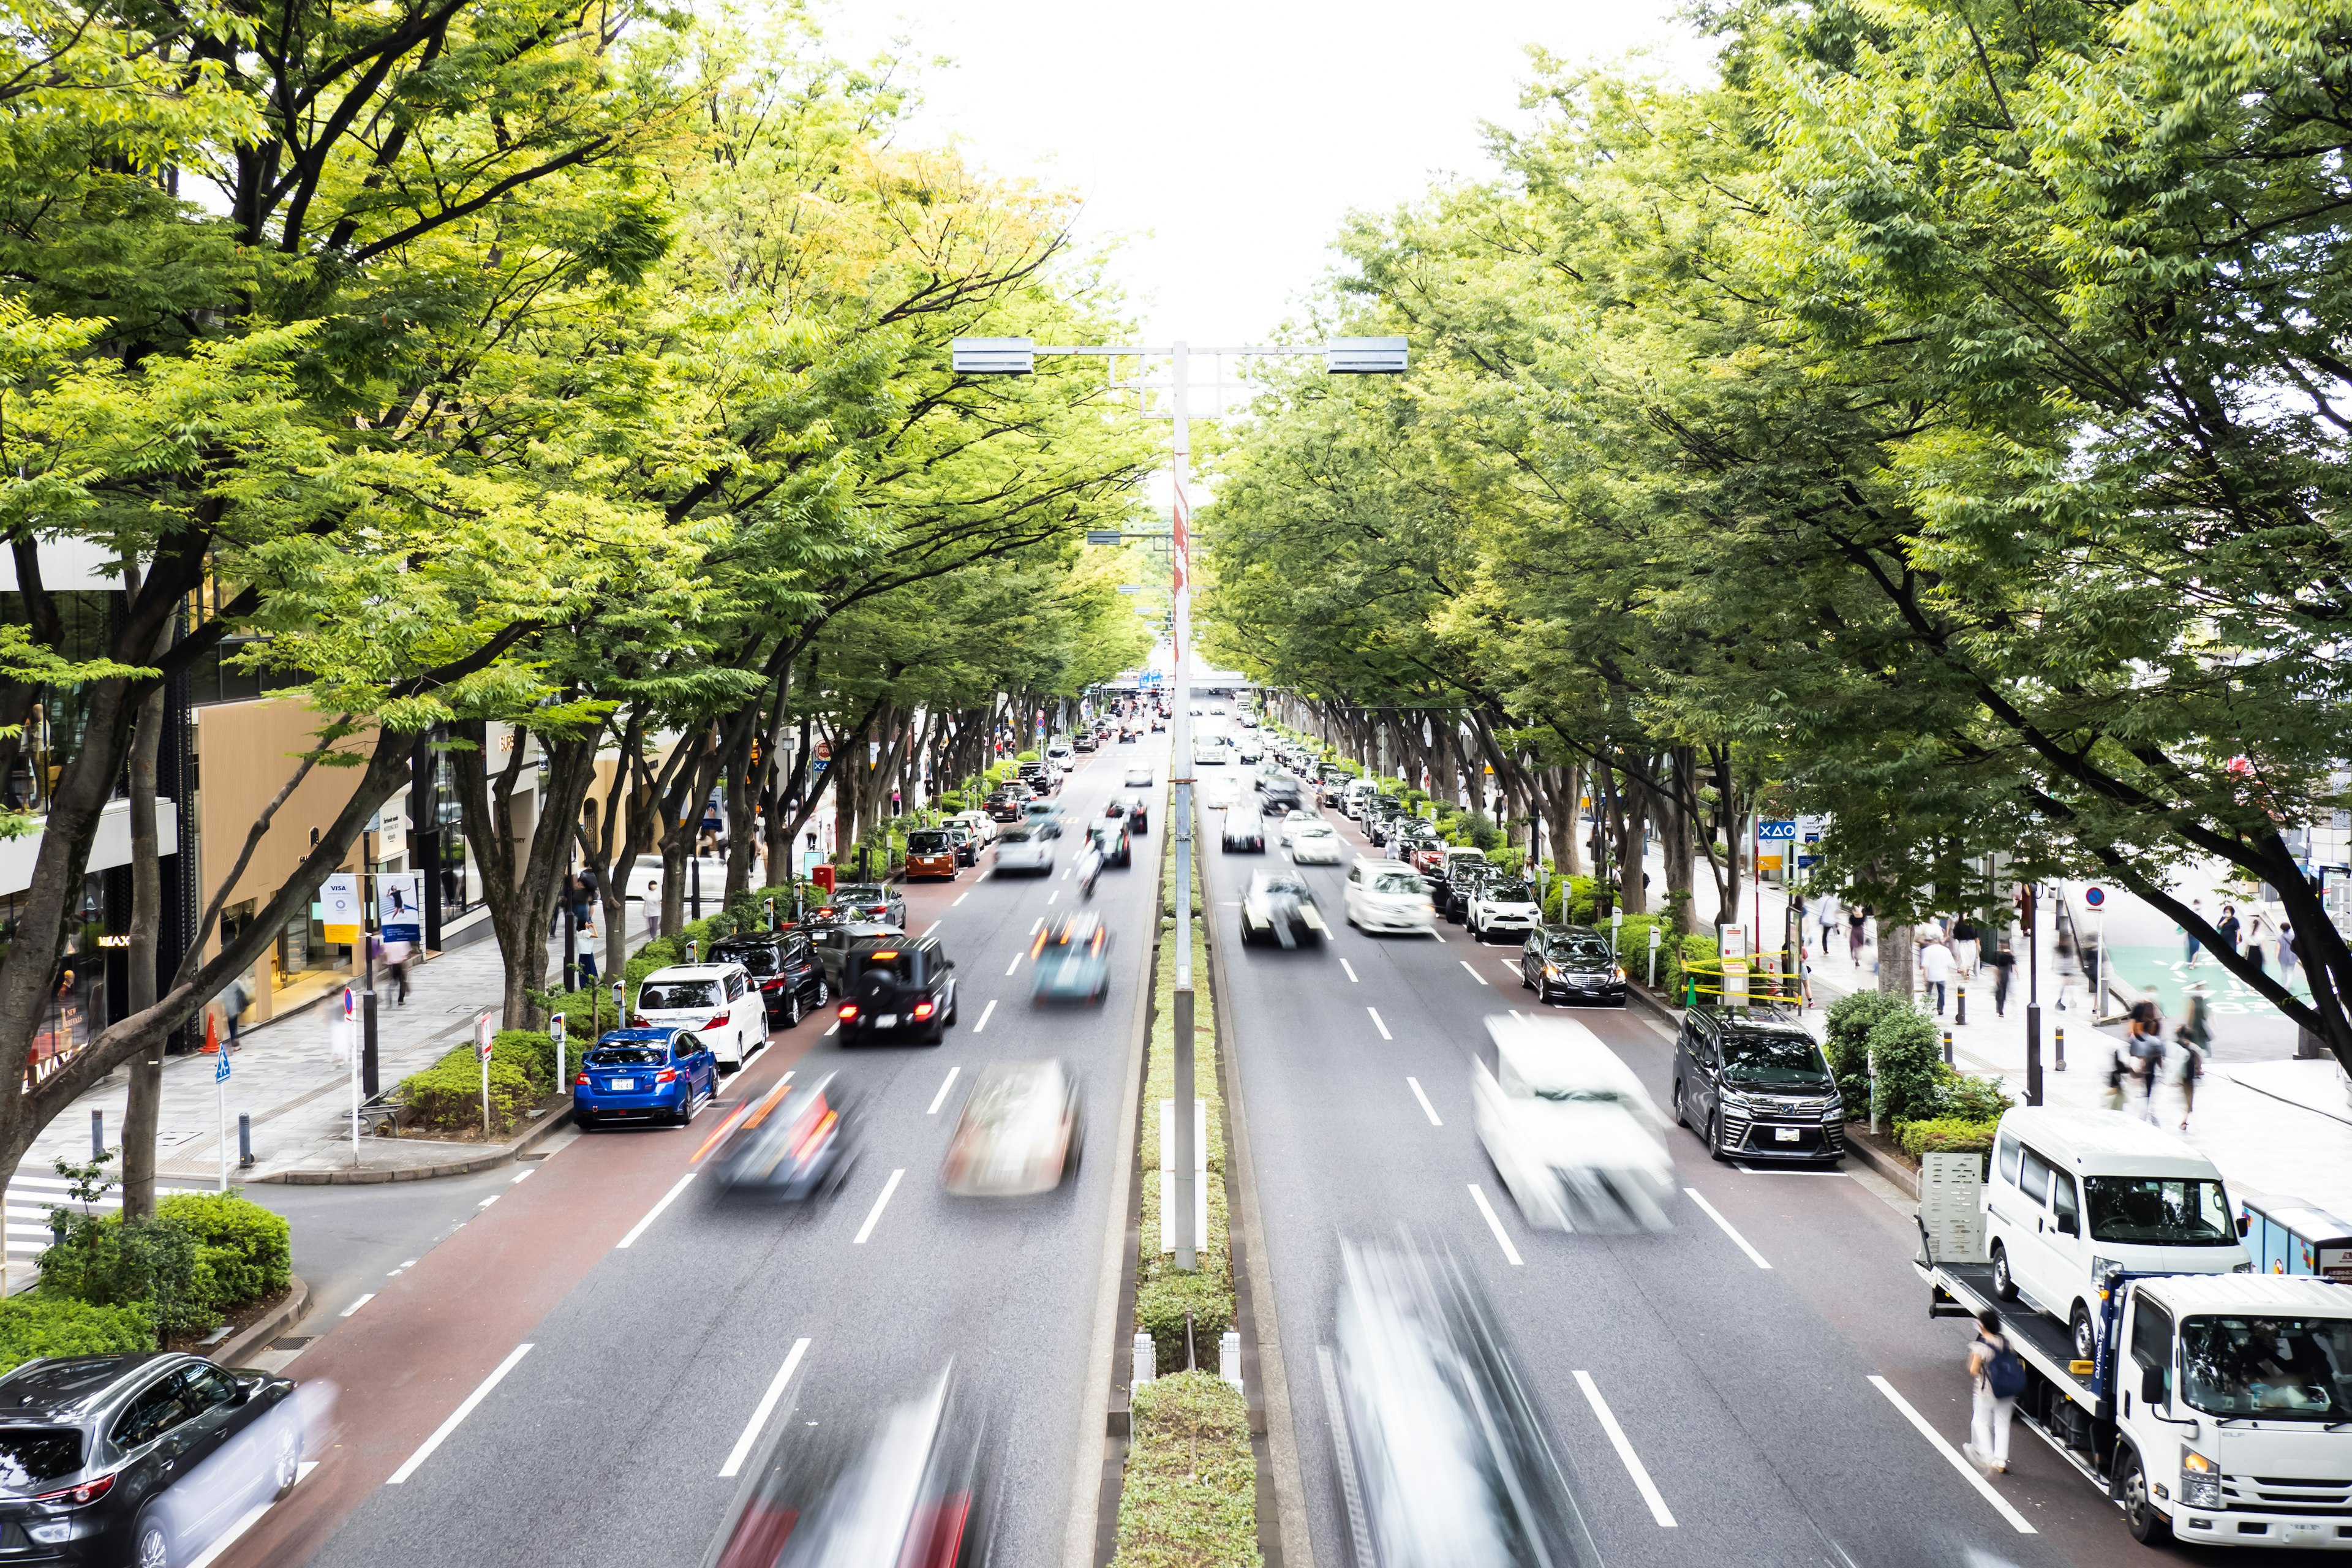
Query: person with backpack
<point x="1996" y="1376"/>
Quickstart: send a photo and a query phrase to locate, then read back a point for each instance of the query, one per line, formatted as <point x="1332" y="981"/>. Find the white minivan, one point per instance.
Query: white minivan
<point x="1353" y="799"/>
<point x="717" y="1001"/>
<point x="2074" y="1193"/>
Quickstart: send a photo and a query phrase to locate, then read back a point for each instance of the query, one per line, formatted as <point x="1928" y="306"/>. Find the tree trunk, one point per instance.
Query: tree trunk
<point x="1896" y="959"/>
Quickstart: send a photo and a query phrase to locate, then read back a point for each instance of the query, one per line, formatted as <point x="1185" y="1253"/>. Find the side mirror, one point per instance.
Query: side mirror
<point x="2070" y="1225"/>
<point x="2151" y="1386"/>
<point x="2246" y="1223"/>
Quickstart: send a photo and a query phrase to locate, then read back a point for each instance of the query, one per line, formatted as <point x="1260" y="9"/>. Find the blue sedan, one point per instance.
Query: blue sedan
<point x="644" y="1075"/>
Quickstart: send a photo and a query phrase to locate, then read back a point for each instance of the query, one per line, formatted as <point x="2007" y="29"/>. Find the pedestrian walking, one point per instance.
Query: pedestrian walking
<point x="1826" y="913"/>
<point x="2004" y="965"/>
<point x="2147" y="1054"/>
<point x="2229" y="928"/>
<point x="2195" y="1037"/>
<point x="2119" y="1073"/>
<point x="2287" y="956"/>
<point x="1996" y="1377"/>
<point x="2197" y="908"/>
<point x="2069" y="965"/>
<point x="587" y="953"/>
<point x="1856" y="918"/>
<point x="396" y="955"/>
<point x="2259" y="936"/>
<point x="1935" y="970"/>
<point x="1966" y="947"/>
<point x="233" y="1005"/>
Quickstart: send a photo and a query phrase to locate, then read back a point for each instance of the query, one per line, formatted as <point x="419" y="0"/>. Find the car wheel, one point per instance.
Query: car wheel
<point x="1528" y="984"/>
<point x="2004" y="1284"/>
<point x="2148" y="1527"/>
<point x="2087" y="1336"/>
<point x="285" y="1461"/>
<point x="792" y="1009"/>
<point x="1681" y="1119"/>
<point x="1715" y="1138"/>
<point x="823" y="993"/>
<point x="155" y="1547"/>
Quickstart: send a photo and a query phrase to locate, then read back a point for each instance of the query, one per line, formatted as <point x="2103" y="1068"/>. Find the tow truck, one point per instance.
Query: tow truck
<point x="2217" y="1409"/>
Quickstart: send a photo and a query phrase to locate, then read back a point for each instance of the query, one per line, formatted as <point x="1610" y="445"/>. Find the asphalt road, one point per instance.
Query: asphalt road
<point x="654" y="1336"/>
<point x="1745" y="1393"/>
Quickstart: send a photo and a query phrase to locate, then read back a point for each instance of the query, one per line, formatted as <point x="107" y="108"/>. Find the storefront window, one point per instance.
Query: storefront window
<point x="461" y="883"/>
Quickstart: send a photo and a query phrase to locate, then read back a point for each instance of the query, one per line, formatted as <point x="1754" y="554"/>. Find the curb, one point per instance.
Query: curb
<point x="488" y="1159"/>
<point x="288" y="1313"/>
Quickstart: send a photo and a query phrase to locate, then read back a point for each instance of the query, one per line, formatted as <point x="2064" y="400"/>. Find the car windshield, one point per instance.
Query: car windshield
<point x="759" y="958"/>
<point x="1585" y="950"/>
<point x="1509" y="893"/>
<point x="1780" y="1061"/>
<point x="2159" y="1211"/>
<point x="1013" y="836"/>
<point x="625" y="1056"/>
<point x="929" y="843"/>
<point x="656" y="995"/>
<point x="1283" y="885"/>
<point x="1396" y="882"/>
<point x="860" y="893"/>
<point x="32" y="1455"/>
<point x="1316" y="830"/>
<point x="2280" y="1369"/>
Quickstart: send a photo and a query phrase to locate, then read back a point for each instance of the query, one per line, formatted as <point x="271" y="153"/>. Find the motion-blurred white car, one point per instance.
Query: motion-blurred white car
<point x="1571" y="1130"/>
<point x="1139" y="776"/>
<point x="1027" y="846"/>
<point x="1315" y="844"/>
<point x="1018" y="1133"/>
<point x="1388" y="895"/>
<point x="1293" y="821"/>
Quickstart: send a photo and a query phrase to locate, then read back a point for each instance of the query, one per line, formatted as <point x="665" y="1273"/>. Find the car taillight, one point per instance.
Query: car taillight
<point x="581" y="1082"/>
<point x="667" y="1074"/>
<point x="771" y="984"/>
<point x="637" y="1021"/>
<point x="716" y="1022"/>
<point x="89" y="1491"/>
<point x="922" y="1009"/>
<point x="848" y="1011"/>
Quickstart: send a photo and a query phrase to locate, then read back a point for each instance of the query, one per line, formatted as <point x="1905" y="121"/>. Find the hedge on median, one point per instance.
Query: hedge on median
<point x="199" y="1257"/>
<point x="36" y="1324"/>
<point x="1944" y="1135"/>
<point x="1190" y="1496"/>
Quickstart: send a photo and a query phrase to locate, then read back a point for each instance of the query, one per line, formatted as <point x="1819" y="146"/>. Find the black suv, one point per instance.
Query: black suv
<point x="897" y="987"/>
<point x="91" y="1446"/>
<point x="1453" y="895"/>
<point x="1279" y="796"/>
<point x="1756" y="1086"/>
<point x="1571" y="963"/>
<point x="784" y="966"/>
<point x="1038" y="777"/>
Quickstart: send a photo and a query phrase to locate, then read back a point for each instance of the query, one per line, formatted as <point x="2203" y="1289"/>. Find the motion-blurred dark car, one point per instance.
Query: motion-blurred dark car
<point x="656" y="1076"/>
<point x="1244" y="829"/>
<point x="1018" y="1133"/>
<point x="1072" y="959"/>
<point x="1449" y="1459"/>
<point x="865" y="901"/>
<point x="794" y="1142"/>
<point x="142" y="1459"/>
<point x="1571" y="963"/>
<point x="903" y="1487"/>
<point x="1111" y="840"/>
<point x="1138" y="814"/>
<point x="1277" y="908"/>
<point x="899" y="988"/>
<point x="1278" y="796"/>
<point x="831" y="943"/>
<point x="783" y="965"/>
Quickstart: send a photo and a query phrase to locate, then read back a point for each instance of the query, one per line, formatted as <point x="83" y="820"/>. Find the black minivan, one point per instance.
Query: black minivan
<point x="1755" y="1086"/>
<point x="785" y="967"/>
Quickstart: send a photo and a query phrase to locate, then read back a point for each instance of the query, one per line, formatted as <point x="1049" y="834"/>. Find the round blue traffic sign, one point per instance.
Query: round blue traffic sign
<point x="2095" y="897"/>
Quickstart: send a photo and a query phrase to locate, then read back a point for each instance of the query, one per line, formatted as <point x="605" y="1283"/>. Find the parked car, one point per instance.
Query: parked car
<point x="1244" y="829"/>
<point x="1278" y="908"/>
<point x="1456" y="883"/>
<point x="1041" y="777"/>
<point x="145" y="1458"/>
<point x="830" y="944"/>
<point x="1571" y="963"/>
<point x="1018" y="1132"/>
<point x="652" y="1076"/>
<point x="897" y="987"/>
<point x="931" y="852"/>
<point x="1387" y="894"/>
<point x="1756" y="1087"/>
<point x="1502" y="906"/>
<point x="865" y="901"/>
<point x="1004" y="804"/>
<point x="799" y="1140"/>
<point x="982" y="828"/>
<point x="1025" y="848"/>
<point x="1577" y="1140"/>
<point x="783" y="965"/>
<point x="715" y="1001"/>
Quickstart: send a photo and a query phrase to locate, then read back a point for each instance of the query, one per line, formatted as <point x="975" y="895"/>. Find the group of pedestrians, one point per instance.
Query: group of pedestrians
<point x="2142" y="1060"/>
<point x="577" y="902"/>
<point x="2261" y="936"/>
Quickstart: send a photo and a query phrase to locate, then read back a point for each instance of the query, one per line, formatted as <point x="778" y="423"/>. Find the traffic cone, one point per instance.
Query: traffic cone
<point x="212" y="1033"/>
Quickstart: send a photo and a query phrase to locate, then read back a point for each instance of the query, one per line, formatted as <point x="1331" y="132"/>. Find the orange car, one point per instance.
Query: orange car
<point x="931" y="852"/>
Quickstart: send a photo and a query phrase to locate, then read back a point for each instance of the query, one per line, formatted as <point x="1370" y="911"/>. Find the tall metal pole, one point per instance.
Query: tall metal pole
<point x="368" y="1074"/>
<point x="1181" y="774"/>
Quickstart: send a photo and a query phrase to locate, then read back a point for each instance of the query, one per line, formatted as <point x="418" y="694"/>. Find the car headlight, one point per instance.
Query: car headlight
<point x="1551" y="972"/>
<point x="1739" y="1102"/>
<point x="2201" y="1479"/>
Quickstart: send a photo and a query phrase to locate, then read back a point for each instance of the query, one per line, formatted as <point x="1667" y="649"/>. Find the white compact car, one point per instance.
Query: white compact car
<point x="1294" y="822"/>
<point x="716" y="1001"/>
<point x="1139" y="776"/>
<point x="1027" y="846"/>
<point x="1388" y="895"/>
<point x="982" y="826"/>
<point x="1315" y="844"/>
<point x="1571" y="1130"/>
<point x="1502" y="906"/>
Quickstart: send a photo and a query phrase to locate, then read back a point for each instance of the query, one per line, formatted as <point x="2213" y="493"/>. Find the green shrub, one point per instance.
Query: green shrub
<point x="448" y="1096"/>
<point x="1019" y="757"/>
<point x="1944" y="1135"/>
<point x="1188" y="1498"/>
<point x="39" y="1323"/>
<point x="249" y="1250"/>
<point x="1696" y="947"/>
<point x="155" y="1266"/>
<point x="1961" y="1098"/>
<point x="1851" y="1019"/>
<point x="1909" y="1052"/>
<point x="530" y="1050"/>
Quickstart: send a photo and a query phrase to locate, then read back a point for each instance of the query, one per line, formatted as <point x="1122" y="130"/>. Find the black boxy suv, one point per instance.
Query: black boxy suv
<point x="1755" y="1086"/>
<point x="784" y="966"/>
<point x="897" y="987"/>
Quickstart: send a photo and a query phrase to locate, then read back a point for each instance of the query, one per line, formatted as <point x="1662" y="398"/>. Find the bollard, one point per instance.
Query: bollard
<point x="97" y="1135"/>
<point x="2061" y="1043"/>
<point x="1145" y="1360"/>
<point x="1961" y="1015"/>
<point x="245" y="1140"/>
<point x="1229" y="1356"/>
<point x="1948" y="1048"/>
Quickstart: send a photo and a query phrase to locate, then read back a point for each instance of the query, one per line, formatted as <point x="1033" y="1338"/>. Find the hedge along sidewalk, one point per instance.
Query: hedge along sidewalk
<point x="1189" y="1493"/>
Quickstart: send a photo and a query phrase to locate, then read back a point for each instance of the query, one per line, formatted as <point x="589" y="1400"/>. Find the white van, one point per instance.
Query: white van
<point x="1354" y="798"/>
<point x="2074" y="1193"/>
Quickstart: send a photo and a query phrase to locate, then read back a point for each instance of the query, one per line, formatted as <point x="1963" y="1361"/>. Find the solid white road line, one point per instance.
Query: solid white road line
<point x="945" y="1084"/>
<point x="1383" y="1029"/>
<point x="1351" y="972"/>
<point x="488" y="1200"/>
<point x="931" y="928"/>
<point x="985" y="1012"/>
<point x="1427" y="1110"/>
<point x="1496" y="1224"/>
<point x="1967" y="1472"/>
<point x="1015" y="964"/>
<point x="1738" y="1239"/>
<point x="527" y="1171"/>
<point x="875" y="1215"/>
<point x="1474" y="973"/>
<point x="767" y="1407"/>
<point x="1513" y="969"/>
<point x="1437" y="933"/>
<point x="1632" y="1461"/>
<point x="654" y="1213"/>
<point x="358" y="1304"/>
<point x="962" y="897"/>
<point x="833" y="1029"/>
<point x="457" y="1416"/>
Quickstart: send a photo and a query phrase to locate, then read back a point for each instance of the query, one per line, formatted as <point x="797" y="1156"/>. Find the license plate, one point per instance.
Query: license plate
<point x="1786" y="1134"/>
<point x="620" y="1083"/>
<point x="887" y="1021"/>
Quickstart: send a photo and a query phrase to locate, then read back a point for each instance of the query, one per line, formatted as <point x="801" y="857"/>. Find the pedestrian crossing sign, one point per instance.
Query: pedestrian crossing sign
<point x="220" y="1073"/>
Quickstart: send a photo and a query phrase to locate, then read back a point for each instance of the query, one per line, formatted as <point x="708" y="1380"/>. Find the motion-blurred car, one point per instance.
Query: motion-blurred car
<point x="906" y="1488"/>
<point x="1316" y="844"/>
<point x="1571" y="1130"/>
<point x="865" y="901"/>
<point x="1072" y="959"/>
<point x="1139" y="776"/>
<point x="1293" y="821"/>
<point x="1571" y="963"/>
<point x="1244" y="829"/>
<point x="1138" y="814"/>
<point x="1277" y="908"/>
<point x="783" y="966"/>
<point x="147" y="1457"/>
<point x="1449" y="1458"/>
<point x="1110" y="841"/>
<point x="717" y="1002"/>
<point x="931" y="852"/>
<point x="1502" y="906"/>
<point x="652" y="1076"/>
<point x="794" y="1142"/>
<point x="1388" y="895"/>
<point x="1025" y="848"/>
<point x="1279" y="796"/>
<point x="897" y="987"/>
<point x="1018" y="1133"/>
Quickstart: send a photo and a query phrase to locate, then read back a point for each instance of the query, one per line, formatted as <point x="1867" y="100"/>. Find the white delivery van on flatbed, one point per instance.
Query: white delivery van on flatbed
<point x="2214" y="1408"/>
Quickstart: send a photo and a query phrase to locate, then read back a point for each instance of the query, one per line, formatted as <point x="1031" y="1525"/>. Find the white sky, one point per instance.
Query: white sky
<point x="1225" y="140"/>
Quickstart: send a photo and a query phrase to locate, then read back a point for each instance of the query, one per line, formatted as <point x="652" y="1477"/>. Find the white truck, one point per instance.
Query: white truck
<point x="2215" y="1408"/>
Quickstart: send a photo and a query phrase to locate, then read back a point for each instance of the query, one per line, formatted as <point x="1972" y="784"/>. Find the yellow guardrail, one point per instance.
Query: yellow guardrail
<point x="1703" y="983"/>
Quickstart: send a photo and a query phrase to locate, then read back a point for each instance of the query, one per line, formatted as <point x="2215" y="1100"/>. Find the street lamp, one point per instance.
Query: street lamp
<point x="1340" y="356"/>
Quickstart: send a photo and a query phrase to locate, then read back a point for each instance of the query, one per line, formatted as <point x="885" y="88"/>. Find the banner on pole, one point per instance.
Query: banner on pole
<point x="339" y="907"/>
<point x="400" y="907"/>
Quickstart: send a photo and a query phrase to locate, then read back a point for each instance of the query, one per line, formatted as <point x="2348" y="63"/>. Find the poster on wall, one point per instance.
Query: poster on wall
<point x="400" y="912"/>
<point x="339" y="907"/>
